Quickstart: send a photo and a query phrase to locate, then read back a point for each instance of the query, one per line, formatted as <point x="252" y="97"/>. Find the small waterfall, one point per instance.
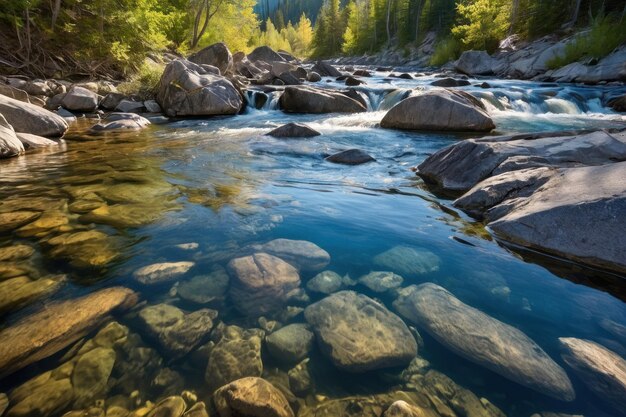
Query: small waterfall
<point x="392" y="98"/>
<point x="561" y="106"/>
<point x="259" y="100"/>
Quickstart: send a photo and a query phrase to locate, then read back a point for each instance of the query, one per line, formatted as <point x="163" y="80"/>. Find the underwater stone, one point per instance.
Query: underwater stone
<point x="358" y="334"/>
<point x="91" y="375"/>
<point x="170" y="407"/>
<point x="197" y="410"/>
<point x="251" y="397"/>
<point x="381" y="281"/>
<point x="20" y="291"/>
<point x="404" y="409"/>
<point x="326" y="282"/>
<point x="4" y="403"/>
<point x="304" y="255"/>
<point x="13" y="220"/>
<point x="236" y="355"/>
<point x="262" y="283"/>
<point x="45" y="398"/>
<point x="300" y="380"/>
<point x="484" y="340"/>
<point x="47" y="331"/>
<point x="202" y="289"/>
<point x="162" y="272"/>
<point x="600" y="369"/>
<point x="291" y="343"/>
<point x="16" y="252"/>
<point x="408" y="260"/>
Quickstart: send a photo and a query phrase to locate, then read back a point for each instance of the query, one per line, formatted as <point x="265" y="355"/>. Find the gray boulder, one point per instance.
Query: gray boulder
<point x="265" y="54"/>
<point x="474" y="63"/>
<point x="315" y="100"/>
<point x="10" y="145"/>
<point x="358" y="334"/>
<point x="130" y="106"/>
<point x="326" y="282"/>
<point x="350" y="157"/>
<point x="28" y="118"/>
<point x="188" y="89"/>
<point x="293" y="130"/>
<point x="35" y="142"/>
<point x="483" y="340"/>
<point x="408" y="260"/>
<point x="80" y="99"/>
<point x="601" y="370"/>
<point x="120" y="122"/>
<point x="262" y="283"/>
<point x="290" y="344"/>
<point x="217" y="55"/>
<point x="325" y="69"/>
<point x="440" y="110"/>
<point x="251" y="397"/>
<point x="450" y="82"/>
<point x="304" y="255"/>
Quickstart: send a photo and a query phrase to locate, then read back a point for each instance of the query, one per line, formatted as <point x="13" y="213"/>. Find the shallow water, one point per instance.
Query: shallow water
<point x="222" y="184"/>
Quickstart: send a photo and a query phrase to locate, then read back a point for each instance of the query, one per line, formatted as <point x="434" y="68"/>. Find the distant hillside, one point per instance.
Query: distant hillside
<point x="290" y="9"/>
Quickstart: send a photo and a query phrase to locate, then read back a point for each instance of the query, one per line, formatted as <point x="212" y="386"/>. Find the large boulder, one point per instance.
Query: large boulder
<point x="325" y="69"/>
<point x="217" y="55"/>
<point x="265" y="54"/>
<point x="488" y="342"/>
<point x="50" y="330"/>
<point x="290" y="344"/>
<point x="601" y="370"/>
<point x="262" y="283"/>
<point x="474" y="63"/>
<point x="293" y="130"/>
<point x="80" y="99"/>
<point x="188" y="89"/>
<point x="251" y="397"/>
<point x="28" y="118"/>
<point x="10" y="145"/>
<point x="315" y="100"/>
<point x="441" y="110"/>
<point x="359" y="334"/>
<point x="304" y="255"/>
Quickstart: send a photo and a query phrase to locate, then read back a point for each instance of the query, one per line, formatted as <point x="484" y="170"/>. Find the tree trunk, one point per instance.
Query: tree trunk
<point x="418" y="15"/>
<point x="514" y="12"/>
<point x="388" y="21"/>
<point x="576" y="12"/>
<point x="55" y="13"/>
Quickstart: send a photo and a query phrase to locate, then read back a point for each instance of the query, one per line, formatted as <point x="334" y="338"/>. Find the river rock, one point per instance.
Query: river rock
<point x="440" y="110"/>
<point x="43" y="396"/>
<point x="304" y="255"/>
<point x="28" y="118"/>
<point x="404" y="409"/>
<point x="294" y="130"/>
<point x="601" y="370"/>
<point x="13" y="220"/>
<point x="120" y="122"/>
<point x="408" y="260"/>
<point x="251" y="397"/>
<point x="188" y="89"/>
<point x="16" y="252"/>
<point x="162" y="272"/>
<point x="10" y="145"/>
<point x="91" y="374"/>
<point x="265" y="54"/>
<point x="19" y="291"/>
<point x="314" y="100"/>
<point x="358" y="334"/>
<point x="350" y="157"/>
<point x="79" y="99"/>
<point x="450" y="82"/>
<point x="474" y="63"/>
<point x="176" y="332"/>
<point x="130" y="106"/>
<point x="217" y="55"/>
<point x="111" y="100"/>
<point x="35" y="142"/>
<point x="313" y="77"/>
<point x="381" y="281"/>
<point x="236" y="355"/>
<point x="169" y="407"/>
<point x="203" y="289"/>
<point x="262" y="283"/>
<point x="325" y="69"/>
<point x="326" y="282"/>
<point x="290" y="344"/>
<point x="50" y="330"/>
<point x="13" y="92"/>
<point x="4" y="403"/>
<point x="483" y="340"/>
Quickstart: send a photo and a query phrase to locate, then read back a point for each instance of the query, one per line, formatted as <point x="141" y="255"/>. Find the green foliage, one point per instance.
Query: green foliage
<point x="446" y="50"/>
<point x="294" y="39"/>
<point x="329" y="30"/>
<point x="144" y="82"/>
<point x="605" y="34"/>
<point x="483" y="23"/>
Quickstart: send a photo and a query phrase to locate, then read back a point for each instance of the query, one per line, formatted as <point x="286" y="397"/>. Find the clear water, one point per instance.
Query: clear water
<point x="223" y="184"/>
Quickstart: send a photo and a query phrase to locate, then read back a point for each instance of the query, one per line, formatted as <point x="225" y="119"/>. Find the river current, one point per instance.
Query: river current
<point x="200" y="190"/>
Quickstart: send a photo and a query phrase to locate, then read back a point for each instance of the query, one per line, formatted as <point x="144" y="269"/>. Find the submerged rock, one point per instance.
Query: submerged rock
<point x="43" y="396"/>
<point x="16" y="252"/>
<point x="290" y="344"/>
<point x="439" y="110"/>
<point x="20" y="291"/>
<point x="484" y="340"/>
<point x="408" y="260"/>
<point x="203" y="289"/>
<point x="48" y="331"/>
<point x="293" y="130"/>
<point x="176" y="332"/>
<point x="4" y="403"/>
<point x="262" y="283"/>
<point x="188" y="89"/>
<point x="13" y="220"/>
<point x="162" y="272"/>
<point x="217" y="55"/>
<point x="169" y="407"/>
<point x="29" y="118"/>
<point x="404" y="409"/>
<point x="236" y="355"/>
<point x="304" y="255"/>
<point x="315" y="100"/>
<point x="601" y="370"/>
<point x="251" y="397"/>
<point x="381" y="281"/>
<point x="350" y="157"/>
<point x="91" y="374"/>
<point x="326" y="282"/>
<point x="358" y="334"/>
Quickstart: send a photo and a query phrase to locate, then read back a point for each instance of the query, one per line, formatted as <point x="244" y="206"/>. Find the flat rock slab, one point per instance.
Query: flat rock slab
<point x="483" y="340"/>
<point x="359" y="334"/>
<point x="29" y="118"/>
<point x="162" y="272"/>
<point x="57" y="326"/>
<point x="302" y="254"/>
<point x="601" y="370"/>
<point x="408" y="260"/>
